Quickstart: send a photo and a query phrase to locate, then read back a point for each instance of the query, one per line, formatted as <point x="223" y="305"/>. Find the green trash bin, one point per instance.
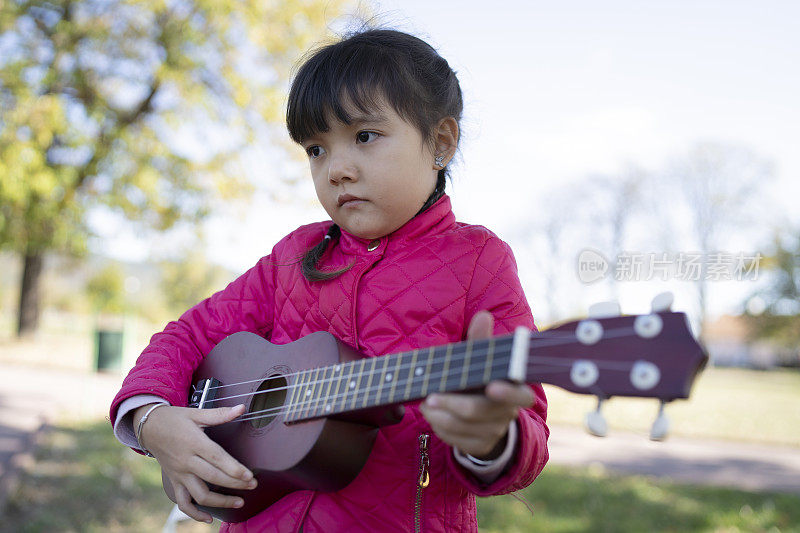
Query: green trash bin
<point x="109" y="350"/>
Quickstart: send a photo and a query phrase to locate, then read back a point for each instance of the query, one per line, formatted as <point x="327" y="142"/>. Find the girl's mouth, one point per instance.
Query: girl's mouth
<point x="346" y="198"/>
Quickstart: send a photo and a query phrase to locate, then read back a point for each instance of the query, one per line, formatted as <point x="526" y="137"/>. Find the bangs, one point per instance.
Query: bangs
<point x="338" y="81"/>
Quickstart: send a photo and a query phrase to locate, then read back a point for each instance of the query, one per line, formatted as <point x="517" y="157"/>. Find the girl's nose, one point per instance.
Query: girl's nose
<point x="341" y="169"/>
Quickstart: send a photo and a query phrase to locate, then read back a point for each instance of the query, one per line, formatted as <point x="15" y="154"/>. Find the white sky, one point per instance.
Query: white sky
<point x="558" y="90"/>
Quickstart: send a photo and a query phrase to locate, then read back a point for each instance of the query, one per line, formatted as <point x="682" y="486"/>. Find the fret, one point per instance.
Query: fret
<point x="448" y="353"/>
<point x="411" y="371"/>
<point x="308" y="392"/>
<point x="487" y="370"/>
<point x="298" y="400"/>
<point x="308" y="384"/>
<point x="395" y="377"/>
<point x="482" y="355"/>
<point x="326" y="400"/>
<point x="290" y="401"/>
<point x="427" y="372"/>
<point x="311" y="393"/>
<point x="465" y="365"/>
<point x="347" y="388"/>
<point x="296" y="396"/>
<point x="301" y="393"/>
<point x="358" y="383"/>
<point x="319" y="395"/>
<point x="381" y="381"/>
<point x="501" y="359"/>
<point x="369" y="381"/>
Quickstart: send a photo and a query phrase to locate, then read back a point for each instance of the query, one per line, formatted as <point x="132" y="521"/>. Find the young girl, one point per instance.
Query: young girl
<point x="378" y="115"/>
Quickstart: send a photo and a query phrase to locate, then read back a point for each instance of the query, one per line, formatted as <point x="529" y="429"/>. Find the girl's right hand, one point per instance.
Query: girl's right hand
<point x="190" y="459"/>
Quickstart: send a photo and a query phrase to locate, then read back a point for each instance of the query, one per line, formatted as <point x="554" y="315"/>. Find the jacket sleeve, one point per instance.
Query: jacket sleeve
<point x="166" y="366"/>
<point x="495" y="287"/>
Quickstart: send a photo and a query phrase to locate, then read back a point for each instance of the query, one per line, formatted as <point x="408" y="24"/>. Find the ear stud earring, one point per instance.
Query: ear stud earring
<point x="439" y="161"/>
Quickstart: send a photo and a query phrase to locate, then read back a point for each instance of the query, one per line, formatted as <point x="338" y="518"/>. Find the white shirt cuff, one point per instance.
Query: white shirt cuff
<point x="123" y="427"/>
<point x="489" y="472"/>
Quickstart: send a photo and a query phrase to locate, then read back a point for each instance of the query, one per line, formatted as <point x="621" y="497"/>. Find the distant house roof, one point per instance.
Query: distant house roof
<point x="727" y="328"/>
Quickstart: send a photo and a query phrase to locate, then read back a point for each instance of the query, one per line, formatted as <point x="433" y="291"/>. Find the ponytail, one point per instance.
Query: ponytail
<point x="437" y="193"/>
<point x="312" y="257"/>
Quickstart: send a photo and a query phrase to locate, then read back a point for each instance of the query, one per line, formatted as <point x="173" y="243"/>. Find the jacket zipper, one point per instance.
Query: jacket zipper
<point x="423" y="478"/>
<point x="354" y="312"/>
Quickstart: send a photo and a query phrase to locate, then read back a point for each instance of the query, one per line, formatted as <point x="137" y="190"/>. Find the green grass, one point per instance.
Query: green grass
<point x="84" y="480"/>
<point x="576" y="500"/>
<point x="725" y="403"/>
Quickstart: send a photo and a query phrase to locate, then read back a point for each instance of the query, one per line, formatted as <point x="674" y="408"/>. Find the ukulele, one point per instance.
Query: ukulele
<point x="314" y="406"/>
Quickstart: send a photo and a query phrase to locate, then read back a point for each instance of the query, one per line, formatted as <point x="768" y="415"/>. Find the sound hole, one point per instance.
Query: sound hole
<point x="269" y="397"/>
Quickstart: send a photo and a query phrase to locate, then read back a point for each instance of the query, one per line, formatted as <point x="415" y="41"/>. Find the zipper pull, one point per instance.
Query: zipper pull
<point x="424" y="476"/>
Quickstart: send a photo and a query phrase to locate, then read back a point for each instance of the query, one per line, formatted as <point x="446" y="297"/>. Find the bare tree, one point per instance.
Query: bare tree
<point x="555" y="231"/>
<point x="616" y="200"/>
<point x="722" y="186"/>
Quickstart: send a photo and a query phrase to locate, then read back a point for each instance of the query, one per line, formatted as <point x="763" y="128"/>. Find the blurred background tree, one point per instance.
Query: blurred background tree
<point x="773" y="313"/>
<point x="106" y="290"/>
<point x="190" y="279"/>
<point x="94" y="94"/>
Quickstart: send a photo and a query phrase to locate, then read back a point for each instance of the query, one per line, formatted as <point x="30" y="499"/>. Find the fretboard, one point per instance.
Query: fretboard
<point x="397" y="378"/>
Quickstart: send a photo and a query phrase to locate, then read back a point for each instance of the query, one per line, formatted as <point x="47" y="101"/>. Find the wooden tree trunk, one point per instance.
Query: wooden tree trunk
<point x="29" y="294"/>
<point x="702" y="300"/>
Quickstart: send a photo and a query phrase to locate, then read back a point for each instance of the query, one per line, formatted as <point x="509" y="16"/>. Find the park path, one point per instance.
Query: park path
<point x="747" y="466"/>
<point x="33" y="396"/>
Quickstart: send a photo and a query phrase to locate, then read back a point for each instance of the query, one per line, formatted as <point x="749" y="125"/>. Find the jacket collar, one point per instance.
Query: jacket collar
<point x="435" y="219"/>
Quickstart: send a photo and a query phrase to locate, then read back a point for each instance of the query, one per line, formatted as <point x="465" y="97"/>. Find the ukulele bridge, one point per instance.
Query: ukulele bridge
<point x="204" y="393"/>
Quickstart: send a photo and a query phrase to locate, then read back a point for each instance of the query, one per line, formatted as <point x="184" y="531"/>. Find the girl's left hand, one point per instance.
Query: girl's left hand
<point x="477" y="424"/>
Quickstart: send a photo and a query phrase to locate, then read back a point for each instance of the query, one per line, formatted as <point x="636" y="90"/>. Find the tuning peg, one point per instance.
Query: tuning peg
<point x="662" y="302"/>
<point x="604" y="310"/>
<point x="596" y="422"/>
<point x="661" y="425"/>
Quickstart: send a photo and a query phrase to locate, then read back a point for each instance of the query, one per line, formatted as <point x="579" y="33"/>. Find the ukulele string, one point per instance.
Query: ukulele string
<point x="540" y="369"/>
<point x="536" y="342"/>
<point x="540" y="336"/>
<point x="403" y="366"/>
<point x="275" y="411"/>
<point x="557" y="365"/>
<point x="332" y="400"/>
<point x="361" y="374"/>
<point x="314" y="403"/>
<point x="537" y="337"/>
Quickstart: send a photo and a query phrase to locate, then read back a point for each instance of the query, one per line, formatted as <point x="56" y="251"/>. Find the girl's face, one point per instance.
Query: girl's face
<point x="373" y="175"/>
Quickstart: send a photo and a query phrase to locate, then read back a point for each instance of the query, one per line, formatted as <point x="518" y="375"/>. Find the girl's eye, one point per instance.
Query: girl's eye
<point x="366" y="136"/>
<point x="315" y="151"/>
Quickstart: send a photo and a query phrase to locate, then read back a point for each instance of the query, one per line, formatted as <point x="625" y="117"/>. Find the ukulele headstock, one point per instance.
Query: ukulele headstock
<point x="607" y="354"/>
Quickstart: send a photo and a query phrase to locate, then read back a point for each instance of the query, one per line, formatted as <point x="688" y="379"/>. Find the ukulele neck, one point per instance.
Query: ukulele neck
<point x="407" y="376"/>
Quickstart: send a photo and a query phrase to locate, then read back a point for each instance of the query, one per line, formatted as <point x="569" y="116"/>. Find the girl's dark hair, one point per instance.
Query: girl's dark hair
<point x="360" y="71"/>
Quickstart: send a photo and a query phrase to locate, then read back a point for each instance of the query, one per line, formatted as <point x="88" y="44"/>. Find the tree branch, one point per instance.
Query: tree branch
<point x="102" y="145"/>
<point x="144" y="107"/>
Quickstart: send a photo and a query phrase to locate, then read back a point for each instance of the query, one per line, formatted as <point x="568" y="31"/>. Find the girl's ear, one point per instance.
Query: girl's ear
<point x="446" y="137"/>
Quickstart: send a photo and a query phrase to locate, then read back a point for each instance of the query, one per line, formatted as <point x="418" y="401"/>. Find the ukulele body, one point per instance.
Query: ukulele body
<point x="323" y="454"/>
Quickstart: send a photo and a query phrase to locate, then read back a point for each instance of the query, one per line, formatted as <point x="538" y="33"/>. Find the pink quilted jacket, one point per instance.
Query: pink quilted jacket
<point x="414" y="288"/>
